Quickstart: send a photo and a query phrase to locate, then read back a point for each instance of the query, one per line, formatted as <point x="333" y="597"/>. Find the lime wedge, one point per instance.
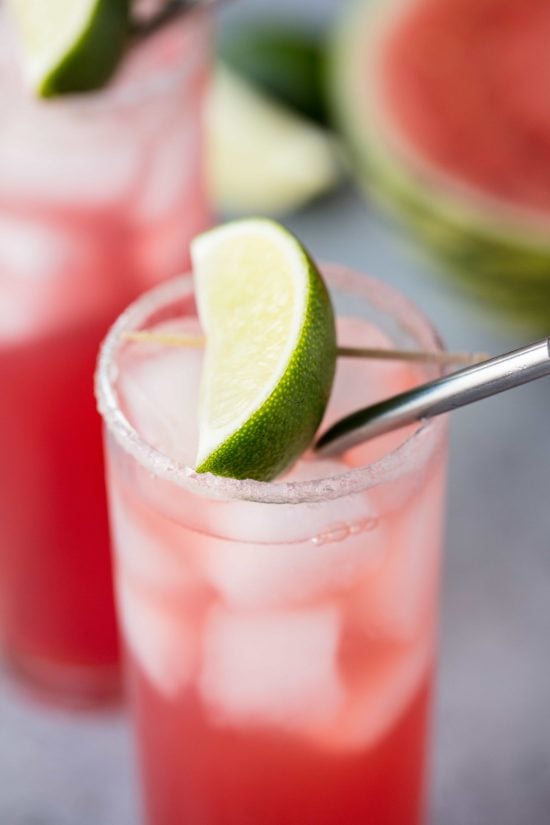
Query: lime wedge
<point x="270" y="352"/>
<point x="70" y="45"/>
<point x="262" y="157"/>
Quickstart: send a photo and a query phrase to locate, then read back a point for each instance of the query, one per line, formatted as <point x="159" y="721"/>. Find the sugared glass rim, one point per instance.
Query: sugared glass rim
<point x="411" y="455"/>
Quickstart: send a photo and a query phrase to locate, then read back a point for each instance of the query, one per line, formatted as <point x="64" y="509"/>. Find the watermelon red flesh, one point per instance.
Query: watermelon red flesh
<point x="466" y="85"/>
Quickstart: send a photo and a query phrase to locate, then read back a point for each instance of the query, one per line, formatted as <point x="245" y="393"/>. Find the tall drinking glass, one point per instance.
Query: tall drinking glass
<point x="99" y="197"/>
<point x="280" y="636"/>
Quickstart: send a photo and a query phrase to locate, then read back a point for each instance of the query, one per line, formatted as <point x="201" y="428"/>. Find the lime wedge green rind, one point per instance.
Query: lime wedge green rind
<point x="283" y="425"/>
<point x="70" y="45"/>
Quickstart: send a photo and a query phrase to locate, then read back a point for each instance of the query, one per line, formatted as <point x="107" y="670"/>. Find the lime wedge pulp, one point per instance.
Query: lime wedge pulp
<point x="270" y="352"/>
<point x="70" y="45"/>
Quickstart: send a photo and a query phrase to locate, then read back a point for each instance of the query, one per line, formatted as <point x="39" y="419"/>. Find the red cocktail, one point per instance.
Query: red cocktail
<point x="99" y="197"/>
<point x="281" y="636"/>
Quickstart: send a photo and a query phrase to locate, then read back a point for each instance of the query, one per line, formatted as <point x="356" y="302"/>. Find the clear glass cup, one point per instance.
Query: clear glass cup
<point x="99" y="197"/>
<point x="281" y="636"/>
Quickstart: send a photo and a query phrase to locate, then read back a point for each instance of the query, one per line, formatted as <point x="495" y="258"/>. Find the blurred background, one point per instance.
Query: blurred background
<point x="485" y="288"/>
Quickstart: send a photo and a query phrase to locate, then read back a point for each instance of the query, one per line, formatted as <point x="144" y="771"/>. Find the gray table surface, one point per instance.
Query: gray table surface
<point x="491" y="750"/>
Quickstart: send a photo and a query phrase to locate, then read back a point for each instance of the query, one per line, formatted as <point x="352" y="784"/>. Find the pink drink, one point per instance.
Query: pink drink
<point x="280" y="636"/>
<point x="99" y="197"/>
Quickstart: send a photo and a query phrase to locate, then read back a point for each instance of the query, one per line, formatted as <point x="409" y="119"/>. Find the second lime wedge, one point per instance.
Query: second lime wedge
<point x="263" y="157"/>
<point x="70" y="45"/>
<point x="270" y="352"/>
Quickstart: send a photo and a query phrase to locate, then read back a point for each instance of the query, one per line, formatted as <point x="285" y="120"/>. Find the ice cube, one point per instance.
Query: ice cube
<point x="159" y="635"/>
<point x="32" y="250"/>
<point x="150" y="549"/>
<point x="334" y="544"/>
<point x="50" y="276"/>
<point x="399" y="599"/>
<point x="272" y="669"/>
<point x="378" y="700"/>
<point x="101" y="169"/>
<point x="160" y="388"/>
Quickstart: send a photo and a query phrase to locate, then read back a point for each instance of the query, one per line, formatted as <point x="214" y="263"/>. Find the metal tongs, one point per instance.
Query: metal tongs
<point x="456" y="390"/>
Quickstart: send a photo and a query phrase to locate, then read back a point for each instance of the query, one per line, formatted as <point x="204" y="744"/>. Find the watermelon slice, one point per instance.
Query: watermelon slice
<point x="446" y="106"/>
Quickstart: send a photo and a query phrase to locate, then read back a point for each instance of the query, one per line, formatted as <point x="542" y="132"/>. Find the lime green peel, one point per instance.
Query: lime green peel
<point x="270" y="353"/>
<point x="70" y="45"/>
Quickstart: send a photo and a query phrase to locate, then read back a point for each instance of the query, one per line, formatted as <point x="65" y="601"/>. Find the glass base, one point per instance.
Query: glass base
<point x="78" y="687"/>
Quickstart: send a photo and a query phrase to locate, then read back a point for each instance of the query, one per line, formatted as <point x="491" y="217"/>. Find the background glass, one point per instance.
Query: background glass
<point x="99" y="197"/>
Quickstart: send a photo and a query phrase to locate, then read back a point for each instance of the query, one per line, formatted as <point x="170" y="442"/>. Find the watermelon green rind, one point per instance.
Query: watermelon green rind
<point x="284" y="61"/>
<point x="501" y="252"/>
